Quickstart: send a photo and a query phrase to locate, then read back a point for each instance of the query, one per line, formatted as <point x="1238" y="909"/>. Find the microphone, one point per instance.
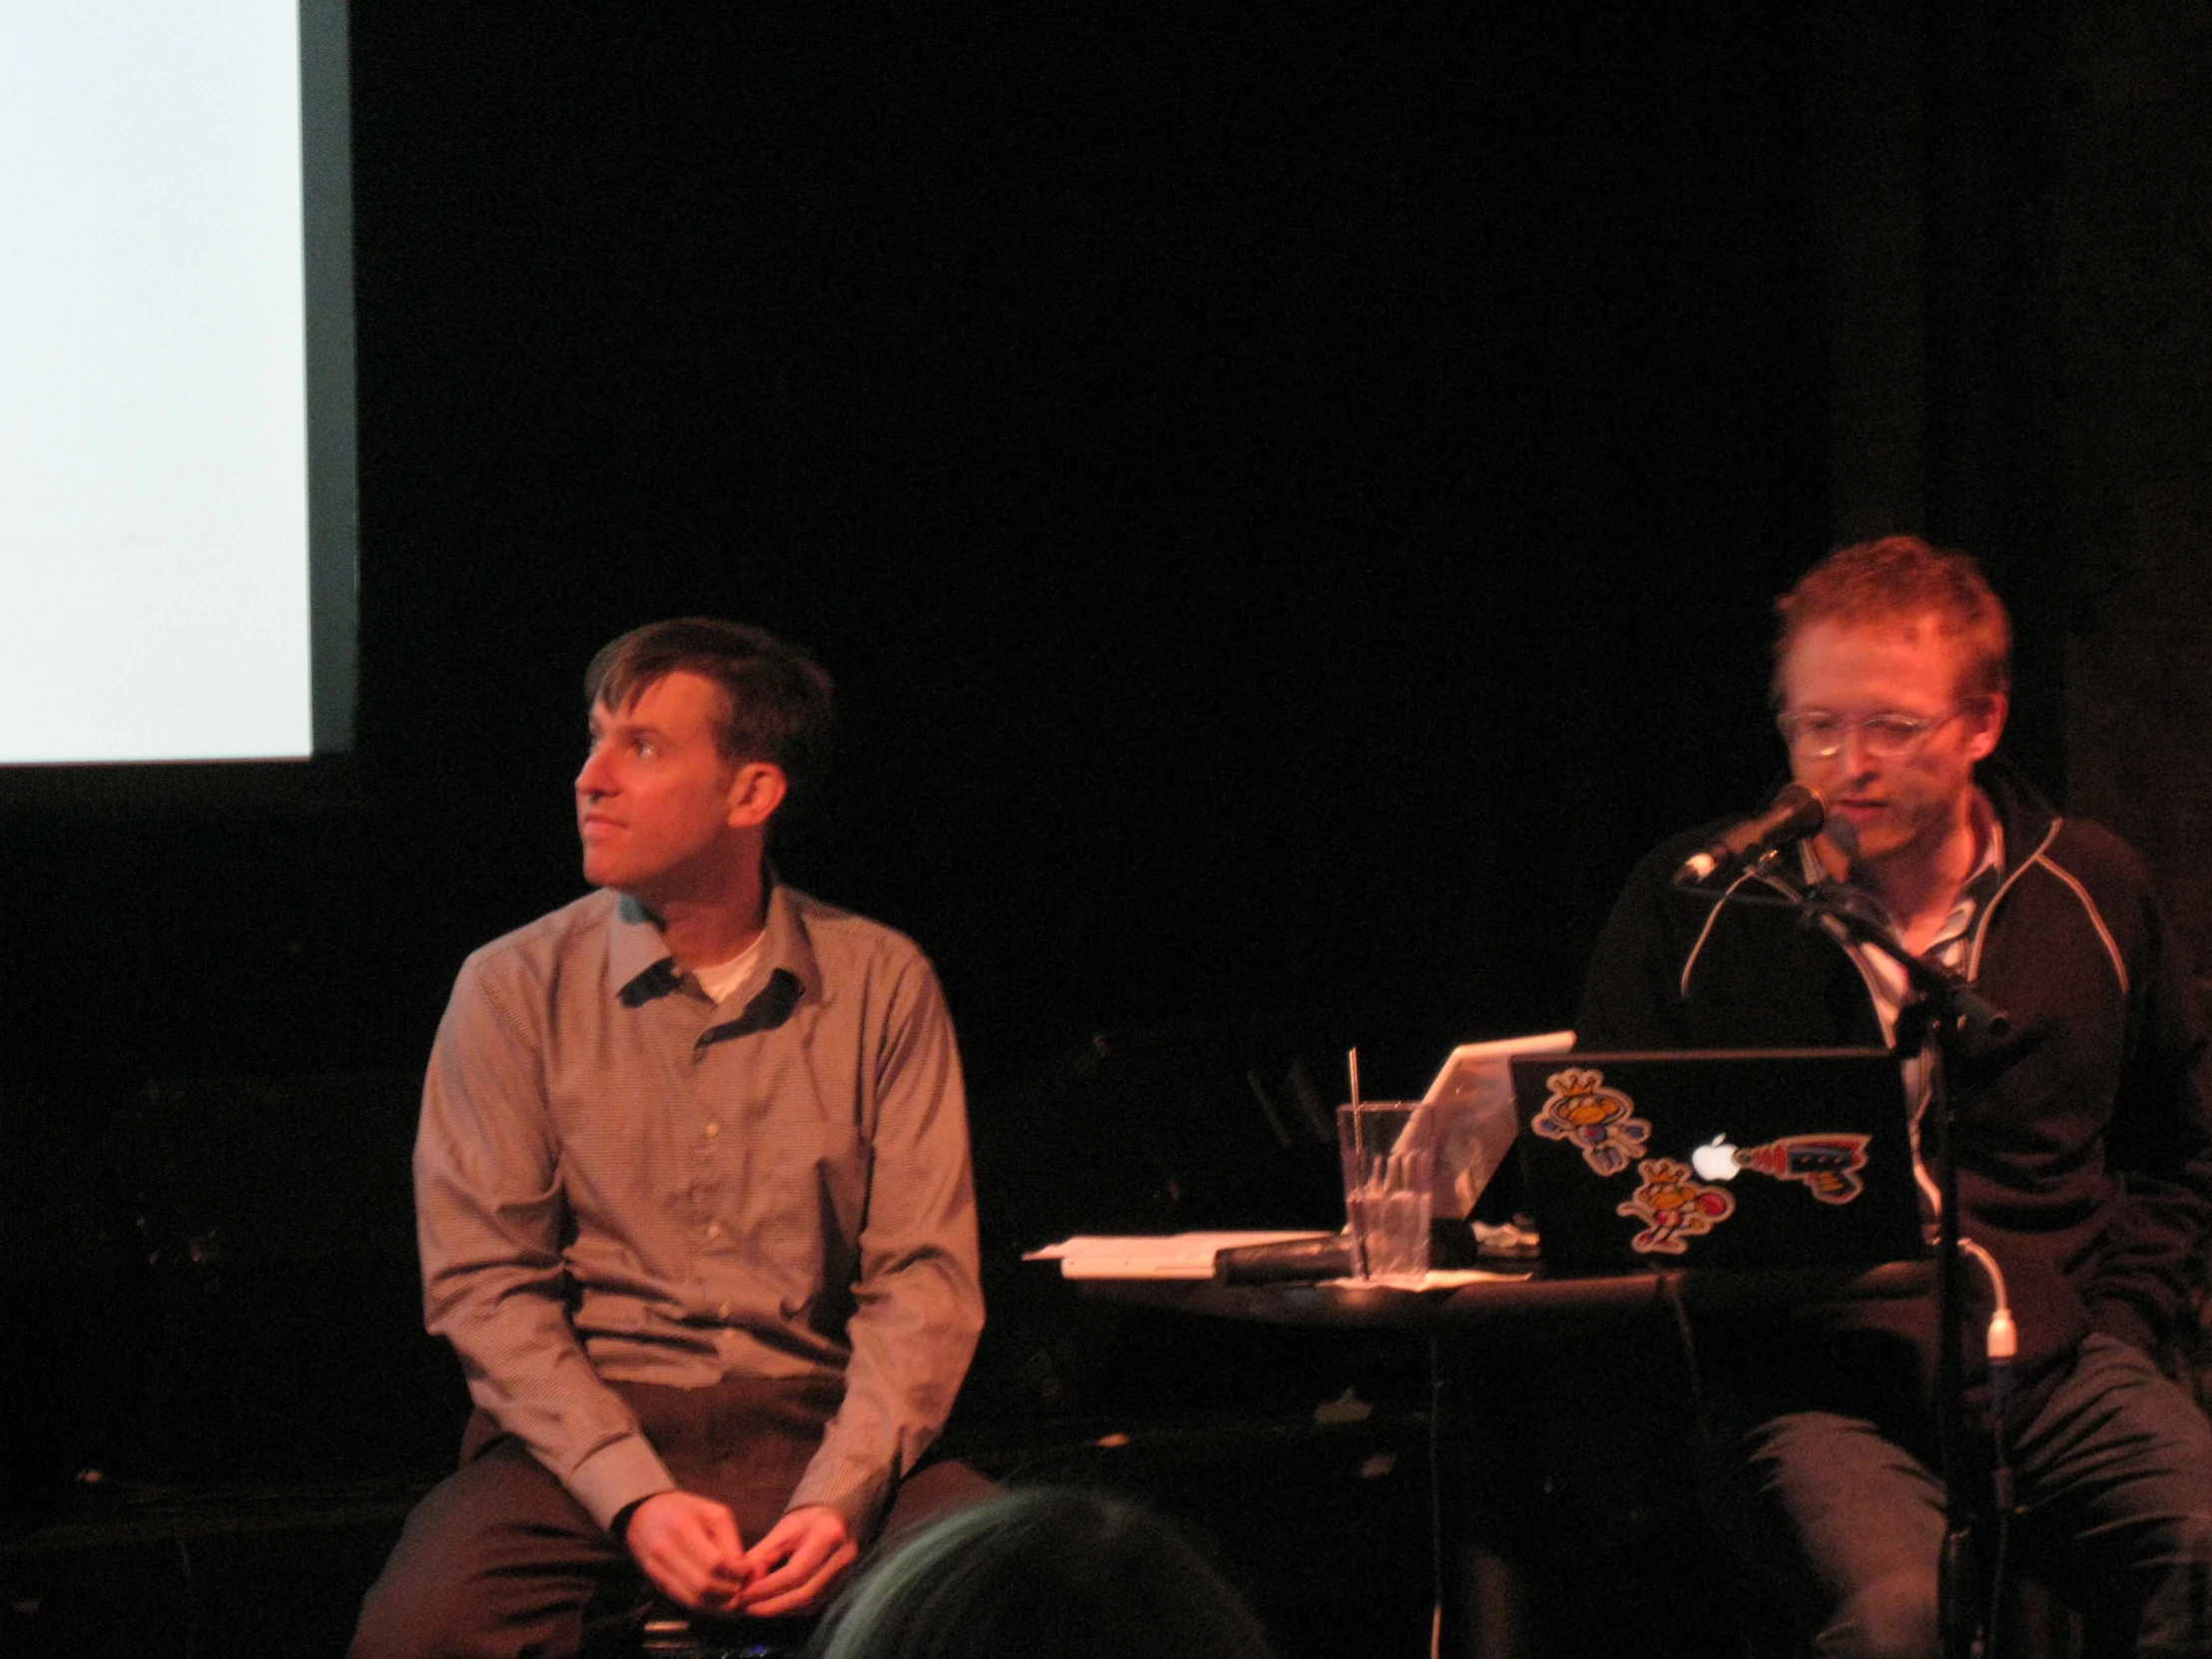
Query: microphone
<point x="1798" y="811"/>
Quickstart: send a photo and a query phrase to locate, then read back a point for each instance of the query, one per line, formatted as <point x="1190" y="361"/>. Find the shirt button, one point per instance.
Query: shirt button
<point x="713" y="1230"/>
<point x="723" y="1312"/>
<point x="713" y="1129"/>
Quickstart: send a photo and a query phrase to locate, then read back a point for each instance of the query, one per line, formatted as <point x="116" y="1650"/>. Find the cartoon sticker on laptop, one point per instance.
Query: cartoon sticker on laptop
<point x="1827" y="1165"/>
<point x="1673" y="1206"/>
<point x="1599" y="1122"/>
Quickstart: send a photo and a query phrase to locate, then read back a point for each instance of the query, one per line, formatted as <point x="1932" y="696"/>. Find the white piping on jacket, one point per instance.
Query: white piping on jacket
<point x="2042" y="855"/>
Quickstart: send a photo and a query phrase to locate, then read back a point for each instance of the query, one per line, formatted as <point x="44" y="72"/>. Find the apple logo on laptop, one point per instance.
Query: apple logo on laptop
<point x="1715" y="1160"/>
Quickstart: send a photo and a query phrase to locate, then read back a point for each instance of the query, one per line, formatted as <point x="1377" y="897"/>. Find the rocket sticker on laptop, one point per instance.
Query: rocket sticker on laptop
<point x="1598" y="1122"/>
<point x="1828" y="1165"/>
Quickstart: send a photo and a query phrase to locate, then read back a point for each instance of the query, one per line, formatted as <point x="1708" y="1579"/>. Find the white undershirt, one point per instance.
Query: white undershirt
<point x="719" y="980"/>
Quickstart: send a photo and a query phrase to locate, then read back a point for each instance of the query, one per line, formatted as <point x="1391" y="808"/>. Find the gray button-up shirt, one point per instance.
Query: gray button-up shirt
<point x="619" y="1180"/>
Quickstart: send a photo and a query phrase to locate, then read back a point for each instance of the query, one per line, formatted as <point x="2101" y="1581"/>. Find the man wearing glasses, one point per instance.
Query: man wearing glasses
<point x="2084" y="1138"/>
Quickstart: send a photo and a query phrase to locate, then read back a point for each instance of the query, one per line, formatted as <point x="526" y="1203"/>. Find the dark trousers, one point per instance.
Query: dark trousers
<point x="2116" y="1470"/>
<point x="498" y="1561"/>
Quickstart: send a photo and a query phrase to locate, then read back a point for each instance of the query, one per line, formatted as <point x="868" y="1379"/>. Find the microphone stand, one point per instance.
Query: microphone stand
<point x="1945" y="1018"/>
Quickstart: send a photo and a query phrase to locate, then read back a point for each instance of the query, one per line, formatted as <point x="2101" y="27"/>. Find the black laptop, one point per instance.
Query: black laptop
<point x="1763" y="1158"/>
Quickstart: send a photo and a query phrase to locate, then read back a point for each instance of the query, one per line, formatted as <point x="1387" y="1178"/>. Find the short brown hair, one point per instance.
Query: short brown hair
<point x="779" y="704"/>
<point x="1900" y="579"/>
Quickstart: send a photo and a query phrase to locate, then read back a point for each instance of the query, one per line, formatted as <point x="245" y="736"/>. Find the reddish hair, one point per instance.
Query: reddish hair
<point x="1901" y="580"/>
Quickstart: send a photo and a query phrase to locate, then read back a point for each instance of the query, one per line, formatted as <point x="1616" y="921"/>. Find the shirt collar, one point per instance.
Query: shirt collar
<point x="641" y="966"/>
<point x="1981" y="884"/>
<point x="1989" y="869"/>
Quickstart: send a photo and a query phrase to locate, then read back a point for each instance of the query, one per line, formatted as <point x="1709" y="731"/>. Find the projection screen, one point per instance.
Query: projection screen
<point x="177" y="456"/>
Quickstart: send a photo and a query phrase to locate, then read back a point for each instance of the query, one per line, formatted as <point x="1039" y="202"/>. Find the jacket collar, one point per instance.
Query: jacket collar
<point x="2024" y="815"/>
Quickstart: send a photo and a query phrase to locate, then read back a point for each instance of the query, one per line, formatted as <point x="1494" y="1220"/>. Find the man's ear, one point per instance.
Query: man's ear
<point x="1986" y="724"/>
<point x="758" y="789"/>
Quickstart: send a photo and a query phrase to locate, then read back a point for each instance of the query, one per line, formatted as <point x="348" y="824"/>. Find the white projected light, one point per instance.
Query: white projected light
<point x="154" y="557"/>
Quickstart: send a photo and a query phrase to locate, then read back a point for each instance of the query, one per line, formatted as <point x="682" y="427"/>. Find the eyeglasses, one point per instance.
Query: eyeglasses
<point x="1819" y="736"/>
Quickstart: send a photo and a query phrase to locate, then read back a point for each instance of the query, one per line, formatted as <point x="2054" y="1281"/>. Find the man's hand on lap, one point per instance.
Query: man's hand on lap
<point x="688" y="1546"/>
<point x="797" y="1562"/>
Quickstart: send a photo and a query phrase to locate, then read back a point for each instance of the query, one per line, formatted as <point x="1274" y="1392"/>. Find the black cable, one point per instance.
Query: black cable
<point x="191" y="1592"/>
<point x="2000" y="1499"/>
<point x="1991" y="1647"/>
<point x="1670" y="1291"/>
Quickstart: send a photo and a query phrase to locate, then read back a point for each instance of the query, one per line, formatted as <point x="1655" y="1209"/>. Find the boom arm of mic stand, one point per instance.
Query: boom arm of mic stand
<point x="1971" y="1021"/>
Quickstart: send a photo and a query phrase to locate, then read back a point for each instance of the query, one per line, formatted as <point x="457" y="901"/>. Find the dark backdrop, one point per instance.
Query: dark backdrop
<point x="1290" y="500"/>
<point x="1290" y="497"/>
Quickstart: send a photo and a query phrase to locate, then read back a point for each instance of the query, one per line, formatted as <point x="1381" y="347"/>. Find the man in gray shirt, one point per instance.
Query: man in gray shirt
<point x="693" y="1195"/>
